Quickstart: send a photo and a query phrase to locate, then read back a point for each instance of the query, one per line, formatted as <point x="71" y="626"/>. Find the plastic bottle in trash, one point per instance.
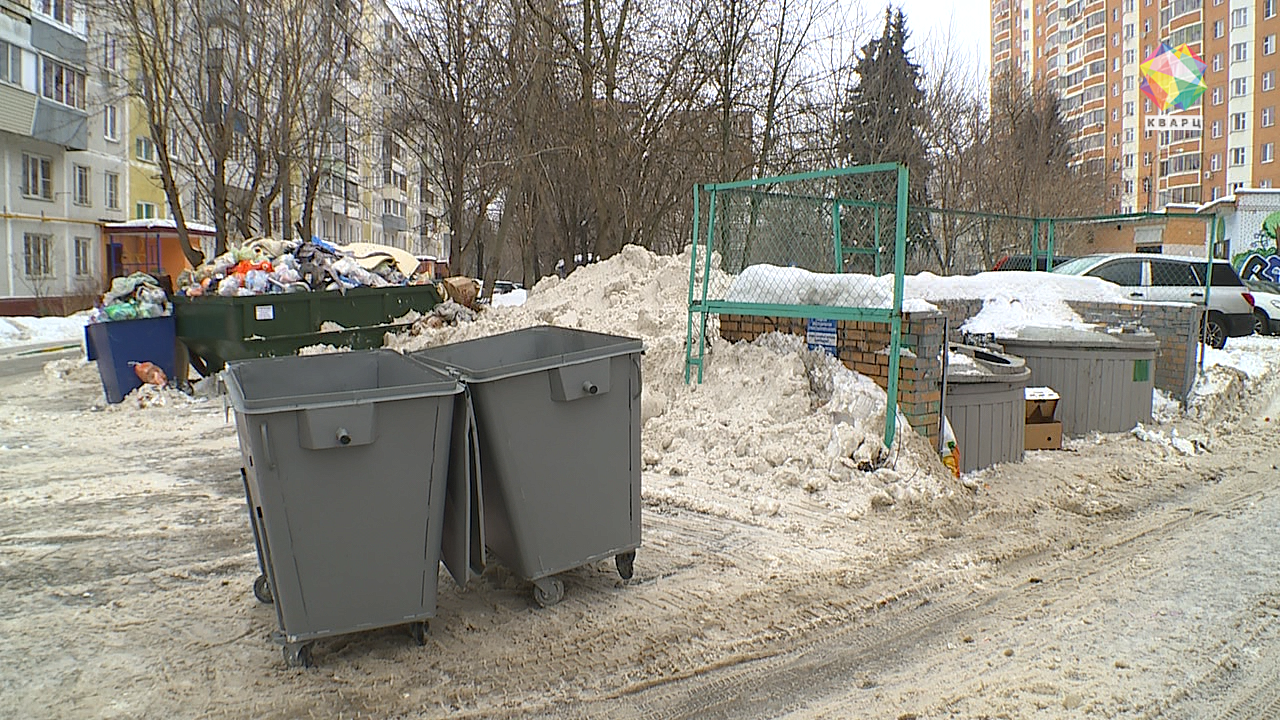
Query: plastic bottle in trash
<point x="950" y="451"/>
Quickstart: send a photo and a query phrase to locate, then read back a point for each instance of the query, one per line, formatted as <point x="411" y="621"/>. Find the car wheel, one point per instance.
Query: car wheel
<point x="1261" y="323"/>
<point x="1215" y="334"/>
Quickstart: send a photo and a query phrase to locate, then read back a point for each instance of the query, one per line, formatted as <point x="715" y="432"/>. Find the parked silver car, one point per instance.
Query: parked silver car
<point x="1150" y="277"/>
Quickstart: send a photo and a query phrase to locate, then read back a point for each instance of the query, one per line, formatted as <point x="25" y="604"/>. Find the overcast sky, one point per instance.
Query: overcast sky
<point x="932" y="22"/>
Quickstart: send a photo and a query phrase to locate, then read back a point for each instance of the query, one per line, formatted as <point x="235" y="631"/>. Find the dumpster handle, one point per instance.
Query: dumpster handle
<point x="266" y="447"/>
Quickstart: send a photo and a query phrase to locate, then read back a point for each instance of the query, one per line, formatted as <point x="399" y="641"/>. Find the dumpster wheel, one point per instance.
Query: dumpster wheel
<point x="419" y="632"/>
<point x="298" y="655"/>
<point x="626" y="563"/>
<point x="548" y="591"/>
<point x="262" y="590"/>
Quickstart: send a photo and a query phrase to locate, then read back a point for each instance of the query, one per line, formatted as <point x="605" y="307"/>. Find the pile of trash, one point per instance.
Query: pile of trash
<point x="132" y="298"/>
<point x="265" y="265"/>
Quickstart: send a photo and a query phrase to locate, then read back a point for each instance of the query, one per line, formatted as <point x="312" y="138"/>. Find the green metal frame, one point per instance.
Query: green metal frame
<point x="703" y="306"/>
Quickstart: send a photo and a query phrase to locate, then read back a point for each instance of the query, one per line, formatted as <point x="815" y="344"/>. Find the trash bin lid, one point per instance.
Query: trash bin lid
<point x="269" y="385"/>
<point x="526" y="350"/>
<point x="974" y="364"/>
<point x="1100" y="338"/>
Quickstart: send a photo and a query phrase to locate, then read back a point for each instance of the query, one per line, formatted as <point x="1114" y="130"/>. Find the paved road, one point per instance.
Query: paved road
<point x="17" y="363"/>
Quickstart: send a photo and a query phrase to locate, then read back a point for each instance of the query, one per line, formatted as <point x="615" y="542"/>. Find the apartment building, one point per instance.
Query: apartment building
<point x="64" y="173"/>
<point x="81" y="199"/>
<point x="1089" y="52"/>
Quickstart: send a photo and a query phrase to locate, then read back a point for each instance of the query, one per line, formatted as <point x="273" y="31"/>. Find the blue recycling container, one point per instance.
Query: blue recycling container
<point x="118" y="344"/>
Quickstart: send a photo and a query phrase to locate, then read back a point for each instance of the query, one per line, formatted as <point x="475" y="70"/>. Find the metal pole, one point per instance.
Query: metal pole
<point x="693" y="274"/>
<point x="895" y="324"/>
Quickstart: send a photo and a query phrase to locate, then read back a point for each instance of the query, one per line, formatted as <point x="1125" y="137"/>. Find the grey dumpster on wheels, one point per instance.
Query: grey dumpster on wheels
<point x="345" y="459"/>
<point x="557" y="415"/>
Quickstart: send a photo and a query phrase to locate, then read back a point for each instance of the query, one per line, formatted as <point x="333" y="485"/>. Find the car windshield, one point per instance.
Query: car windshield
<point x="1075" y="267"/>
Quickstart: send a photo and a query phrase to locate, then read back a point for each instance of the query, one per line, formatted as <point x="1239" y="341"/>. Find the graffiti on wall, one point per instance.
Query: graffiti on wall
<point x="1260" y="261"/>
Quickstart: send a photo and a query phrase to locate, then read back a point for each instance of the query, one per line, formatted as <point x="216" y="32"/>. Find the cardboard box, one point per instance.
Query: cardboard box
<point x="1042" y="404"/>
<point x="1043" y="436"/>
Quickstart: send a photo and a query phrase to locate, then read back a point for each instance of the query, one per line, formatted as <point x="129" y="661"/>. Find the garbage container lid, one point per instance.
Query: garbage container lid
<point x="269" y="385"/>
<point x="526" y="350"/>
<point x="974" y="364"/>
<point x="1101" y="338"/>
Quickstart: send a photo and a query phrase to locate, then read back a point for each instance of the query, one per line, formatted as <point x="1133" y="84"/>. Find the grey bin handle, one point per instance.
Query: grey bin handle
<point x="266" y="447"/>
<point x="590" y="388"/>
<point x="344" y="437"/>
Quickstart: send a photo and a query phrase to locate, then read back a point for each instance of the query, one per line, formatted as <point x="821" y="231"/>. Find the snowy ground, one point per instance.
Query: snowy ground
<point x="775" y="525"/>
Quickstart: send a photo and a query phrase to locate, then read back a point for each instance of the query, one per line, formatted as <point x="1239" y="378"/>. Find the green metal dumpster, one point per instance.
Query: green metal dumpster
<point x="346" y="459"/>
<point x="557" y="422"/>
<point x="218" y="329"/>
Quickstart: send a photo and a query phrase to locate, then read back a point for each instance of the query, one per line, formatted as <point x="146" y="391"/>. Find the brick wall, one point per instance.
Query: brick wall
<point x="863" y="346"/>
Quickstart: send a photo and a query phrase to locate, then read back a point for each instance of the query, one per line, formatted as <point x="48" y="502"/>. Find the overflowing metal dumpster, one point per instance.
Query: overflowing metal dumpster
<point x="985" y="405"/>
<point x="345" y="458"/>
<point x="557" y="414"/>
<point x="218" y="329"/>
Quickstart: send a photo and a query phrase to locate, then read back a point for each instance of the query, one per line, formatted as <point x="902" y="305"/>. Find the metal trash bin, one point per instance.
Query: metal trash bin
<point x="116" y="345"/>
<point x="557" y="414"/>
<point x="984" y="404"/>
<point x="345" y="459"/>
<point x="1105" y="377"/>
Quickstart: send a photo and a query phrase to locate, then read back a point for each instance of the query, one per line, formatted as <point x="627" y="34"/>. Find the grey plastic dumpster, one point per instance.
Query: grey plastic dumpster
<point x="345" y="459"/>
<point x="985" y="405"/>
<point x="1105" y="377"/>
<point x="557" y="415"/>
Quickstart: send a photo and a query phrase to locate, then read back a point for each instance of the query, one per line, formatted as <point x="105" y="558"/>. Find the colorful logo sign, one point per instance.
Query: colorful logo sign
<point x="1173" y="77"/>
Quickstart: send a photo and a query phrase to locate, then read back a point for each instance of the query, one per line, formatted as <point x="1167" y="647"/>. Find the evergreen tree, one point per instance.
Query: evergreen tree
<point x="884" y="120"/>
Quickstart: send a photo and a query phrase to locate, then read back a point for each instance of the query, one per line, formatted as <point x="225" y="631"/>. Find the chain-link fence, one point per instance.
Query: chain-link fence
<point x="826" y="246"/>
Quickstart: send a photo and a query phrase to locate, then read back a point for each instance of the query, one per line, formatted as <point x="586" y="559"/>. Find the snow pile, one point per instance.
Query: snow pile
<point x="1171" y="442"/>
<point x="771" y="284"/>
<point x="1237" y="377"/>
<point x="776" y="435"/>
<point x="29" y="330"/>
<point x="509" y="298"/>
<point x="1011" y="300"/>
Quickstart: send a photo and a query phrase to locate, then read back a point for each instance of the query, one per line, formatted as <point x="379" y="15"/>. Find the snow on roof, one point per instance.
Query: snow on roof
<point x="158" y="224"/>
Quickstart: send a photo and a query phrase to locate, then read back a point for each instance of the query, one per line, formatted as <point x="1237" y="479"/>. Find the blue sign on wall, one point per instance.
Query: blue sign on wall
<point x="821" y="335"/>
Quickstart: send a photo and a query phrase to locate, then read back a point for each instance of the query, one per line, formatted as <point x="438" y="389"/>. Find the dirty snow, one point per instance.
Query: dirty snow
<point x="16" y="331"/>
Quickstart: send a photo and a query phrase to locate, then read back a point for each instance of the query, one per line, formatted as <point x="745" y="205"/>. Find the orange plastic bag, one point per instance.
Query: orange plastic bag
<point x="150" y="373"/>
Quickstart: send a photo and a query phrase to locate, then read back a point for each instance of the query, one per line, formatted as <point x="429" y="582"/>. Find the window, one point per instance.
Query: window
<point x="110" y="129"/>
<point x="1215" y="129"/>
<point x="1268" y="116"/>
<point x="109" y="50"/>
<point x="1268" y="80"/>
<point x="1121" y="272"/>
<point x="1237" y="156"/>
<point x="1217" y="62"/>
<point x="111" y="190"/>
<point x="145" y="149"/>
<point x="1239" y="87"/>
<point x="1267" y="152"/>
<point x="1170" y="273"/>
<point x="10" y="63"/>
<point x="1216" y="96"/>
<point x="1146" y="159"/>
<point x="1239" y="52"/>
<point x="37" y="177"/>
<point x="1239" y="17"/>
<point x="83" y="245"/>
<point x="61" y="10"/>
<point x="37" y="255"/>
<point x="81" y="194"/>
<point x="1215" y="162"/>
<point x="1239" y="121"/>
<point x="1269" y="44"/>
<point x="144" y="210"/>
<point x="61" y="83"/>
<point x="1268" y="8"/>
<point x="393" y="207"/>
<point x="1128" y="109"/>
